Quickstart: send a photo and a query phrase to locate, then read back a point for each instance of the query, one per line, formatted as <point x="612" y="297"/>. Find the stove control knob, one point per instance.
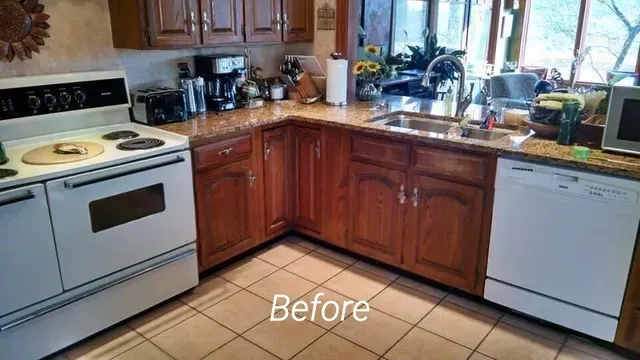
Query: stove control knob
<point x="80" y="97"/>
<point x="65" y="99"/>
<point x="34" y="102"/>
<point x="50" y="101"/>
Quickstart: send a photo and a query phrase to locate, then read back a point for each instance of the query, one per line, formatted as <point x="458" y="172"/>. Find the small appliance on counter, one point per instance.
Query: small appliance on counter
<point x="622" y="130"/>
<point x="159" y="106"/>
<point x="220" y="73"/>
<point x="193" y="88"/>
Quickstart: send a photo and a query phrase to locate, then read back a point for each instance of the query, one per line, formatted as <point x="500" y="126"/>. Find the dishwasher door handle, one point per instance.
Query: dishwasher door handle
<point x="565" y="178"/>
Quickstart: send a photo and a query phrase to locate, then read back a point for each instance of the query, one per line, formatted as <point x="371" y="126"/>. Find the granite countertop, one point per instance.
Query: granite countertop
<point x="359" y="116"/>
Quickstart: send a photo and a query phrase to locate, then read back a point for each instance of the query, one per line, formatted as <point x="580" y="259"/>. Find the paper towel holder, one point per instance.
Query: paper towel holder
<point x="336" y="56"/>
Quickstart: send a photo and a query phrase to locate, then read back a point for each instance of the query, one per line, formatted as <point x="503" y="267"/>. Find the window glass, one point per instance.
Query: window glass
<point x="410" y="24"/>
<point x="123" y="208"/>
<point x="551" y="34"/>
<point x="479" y="27"/>
<point x="612" y="39"/>
<point x="451" y="14"/>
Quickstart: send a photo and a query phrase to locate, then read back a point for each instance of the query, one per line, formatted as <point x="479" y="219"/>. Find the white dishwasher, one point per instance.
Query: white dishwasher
<point x="561" y="246"/>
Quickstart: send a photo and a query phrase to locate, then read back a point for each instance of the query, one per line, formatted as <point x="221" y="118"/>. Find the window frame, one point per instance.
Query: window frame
<point x="581" y="34"/>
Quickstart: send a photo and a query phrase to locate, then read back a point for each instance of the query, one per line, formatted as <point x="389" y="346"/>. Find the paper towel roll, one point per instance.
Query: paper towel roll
<point x="337" y="74"/>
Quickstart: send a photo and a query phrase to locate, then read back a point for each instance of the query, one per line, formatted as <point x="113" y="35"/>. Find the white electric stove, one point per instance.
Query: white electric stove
<point x="97" y="213"/>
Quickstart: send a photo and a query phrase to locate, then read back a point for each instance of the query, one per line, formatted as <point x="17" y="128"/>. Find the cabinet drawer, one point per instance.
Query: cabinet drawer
<point x="451" y="164"/>
<point x="379" y="151"/>
<point x="222" y="153"/>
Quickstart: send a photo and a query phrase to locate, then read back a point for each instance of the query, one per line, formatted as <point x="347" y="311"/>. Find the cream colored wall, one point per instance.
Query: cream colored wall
<point x="81" y="41"/>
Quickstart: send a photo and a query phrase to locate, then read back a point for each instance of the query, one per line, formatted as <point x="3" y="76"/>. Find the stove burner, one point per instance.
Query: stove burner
<point x="5" y="173"/>
<point x="121" y="135"/>
<point x="140" y="144"/>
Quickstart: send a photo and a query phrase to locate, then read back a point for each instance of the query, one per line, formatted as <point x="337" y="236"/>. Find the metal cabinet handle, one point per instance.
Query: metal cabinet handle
<point x="402" y="197"/>
<point x="415" y="197"/>
<point x="28" y="196"/>
<point x="75" y="185"/>
<point x="267" y="151"/>
<point x="225" y="152"/>
<point x="318" y="149"/>
<point x="252" y="178"/>
<point x="194" y="22"/>
<point x="278" y="21"/>
<point x="205" y="21"/>
<point x="285" y="21"/>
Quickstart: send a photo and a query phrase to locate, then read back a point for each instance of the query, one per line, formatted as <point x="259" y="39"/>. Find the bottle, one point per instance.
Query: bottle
<point x="448" y="103"/>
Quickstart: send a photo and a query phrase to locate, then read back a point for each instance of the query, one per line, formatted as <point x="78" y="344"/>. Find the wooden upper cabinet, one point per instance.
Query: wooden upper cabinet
<point x="307" y="178"/>
<point x="297" y="20"/>
<point x="221" y="21"/>
<point x="263" y="20"/>
<point x="173" y="23"/>
<point x="444" y="231"/>
<point x="277" y="182"/>
<point x="226" y="203"/>
<point x="377" y="210"/>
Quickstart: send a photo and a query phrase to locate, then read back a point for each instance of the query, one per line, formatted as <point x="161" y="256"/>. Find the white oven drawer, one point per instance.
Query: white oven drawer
<point x="28" y="264"/>
<point x="111" y="219"/>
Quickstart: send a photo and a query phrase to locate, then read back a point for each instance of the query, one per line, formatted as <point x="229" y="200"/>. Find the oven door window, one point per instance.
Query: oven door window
<point x="629" y="128"/>
<point x="123" y="208"/>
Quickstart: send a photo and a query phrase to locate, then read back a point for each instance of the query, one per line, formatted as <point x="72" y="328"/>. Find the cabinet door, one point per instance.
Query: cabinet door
<point x="173" y="23"/>
<point x="297" y="20"/>
<point x="225" y="201"/>
<point x="263" y="20"/>
<point x="221" y="21"/>
<point x="443" y="238"/>
<point x="308" y="180"/>
<point x="376" y="206"/>
<point x="277" y="182"/>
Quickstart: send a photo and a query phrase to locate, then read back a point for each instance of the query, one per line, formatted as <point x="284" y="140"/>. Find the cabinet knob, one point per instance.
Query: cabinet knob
<point x="278" y="21"/>
<point x="194" y="22"/>
<point x="225" y="152"/>
<point x="267" y="151"/>
<point x="205" y="21"/>
<point x="415" y="197"/>
<point x="285" y="21"/>
<point x="402" y="196"/>
<point x="318" y="149"/>
<point x="252" y="179"/>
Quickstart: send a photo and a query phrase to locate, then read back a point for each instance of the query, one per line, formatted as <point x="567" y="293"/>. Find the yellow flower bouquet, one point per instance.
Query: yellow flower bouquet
<point x="373" y="66"/>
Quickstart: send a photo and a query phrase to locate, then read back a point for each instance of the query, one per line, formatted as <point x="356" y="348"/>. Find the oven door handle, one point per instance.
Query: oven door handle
<point x="75" y="185"/>
<point x="30" y="195"/>
<point x="56" y="306"/>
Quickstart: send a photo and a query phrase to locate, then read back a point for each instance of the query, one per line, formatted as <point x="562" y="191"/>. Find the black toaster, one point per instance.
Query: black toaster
<point x="159" y="106"/>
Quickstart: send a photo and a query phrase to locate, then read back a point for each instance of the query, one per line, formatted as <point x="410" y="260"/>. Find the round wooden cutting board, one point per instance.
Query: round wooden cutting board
<point x="47" y="155"/>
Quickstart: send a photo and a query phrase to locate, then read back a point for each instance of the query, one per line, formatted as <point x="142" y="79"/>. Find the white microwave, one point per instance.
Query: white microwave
<point x="622" y="132"/>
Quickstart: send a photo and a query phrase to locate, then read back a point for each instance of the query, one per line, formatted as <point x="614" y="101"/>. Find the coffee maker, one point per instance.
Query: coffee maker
<point x="220" y="72"/>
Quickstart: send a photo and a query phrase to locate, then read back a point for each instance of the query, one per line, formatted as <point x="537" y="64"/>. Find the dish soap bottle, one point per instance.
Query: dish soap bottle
<point x="448" y="103"/>
<point x="490" y="121"/>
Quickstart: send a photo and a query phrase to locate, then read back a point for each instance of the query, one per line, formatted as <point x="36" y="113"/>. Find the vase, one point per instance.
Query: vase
<point x="393" y="71"/>
<point x="367" y="91"/>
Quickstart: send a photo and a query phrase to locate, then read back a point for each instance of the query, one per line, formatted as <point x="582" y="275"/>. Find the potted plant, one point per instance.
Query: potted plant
<point x="368" y="70"/>
<point x="394" y="62"/>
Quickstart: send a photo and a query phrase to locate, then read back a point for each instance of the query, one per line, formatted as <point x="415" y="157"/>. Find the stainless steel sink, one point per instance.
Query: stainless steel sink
<point x="442" y="127"/>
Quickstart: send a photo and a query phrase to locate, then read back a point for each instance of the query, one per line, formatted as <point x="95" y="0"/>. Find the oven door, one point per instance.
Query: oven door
<point x="110" y="219"/>
<point x="28" y="264"/>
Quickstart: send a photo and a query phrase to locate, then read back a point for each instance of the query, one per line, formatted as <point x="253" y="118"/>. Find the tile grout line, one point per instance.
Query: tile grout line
<point x="560" y="350"/>
<point x="486" y="336"/>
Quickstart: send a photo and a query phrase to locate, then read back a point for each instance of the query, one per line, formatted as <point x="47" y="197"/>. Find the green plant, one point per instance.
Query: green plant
<point x="603" y="107"/>
<point x="420" y="60"/>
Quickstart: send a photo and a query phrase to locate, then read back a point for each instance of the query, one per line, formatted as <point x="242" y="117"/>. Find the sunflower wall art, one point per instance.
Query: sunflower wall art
<point x="23" y="28"/>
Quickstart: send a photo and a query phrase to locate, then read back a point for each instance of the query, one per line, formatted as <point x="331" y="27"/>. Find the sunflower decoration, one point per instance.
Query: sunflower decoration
<point x="359" y="68"/>
<point x="23" y="27"/>
<point x="372" y="50"/>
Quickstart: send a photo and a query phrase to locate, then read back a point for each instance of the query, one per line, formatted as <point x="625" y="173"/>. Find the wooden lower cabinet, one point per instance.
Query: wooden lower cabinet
<point x="307" y="179"/>
<point x="376" y="211"/>
<point x="225" y="202"/>
<point x="277" y="153"/>
<point x="628" y="333"/>
<point x="443" y="234"/>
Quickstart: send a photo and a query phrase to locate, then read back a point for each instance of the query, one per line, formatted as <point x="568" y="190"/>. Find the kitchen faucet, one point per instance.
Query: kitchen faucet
<point x="463" y="101"/>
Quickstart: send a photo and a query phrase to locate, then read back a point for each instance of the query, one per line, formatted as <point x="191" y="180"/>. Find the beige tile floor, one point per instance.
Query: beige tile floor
<point x="227" y="317"/>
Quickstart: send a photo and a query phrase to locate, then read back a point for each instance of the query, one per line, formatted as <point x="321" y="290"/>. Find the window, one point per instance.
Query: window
<point x="451" y="23"/>
<point x="410" y="24"/>
<point x="479" y="31"/>
<point x="612" y="39"/>
<point x="609" y="42"/>
<point x="551" y="34"/>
